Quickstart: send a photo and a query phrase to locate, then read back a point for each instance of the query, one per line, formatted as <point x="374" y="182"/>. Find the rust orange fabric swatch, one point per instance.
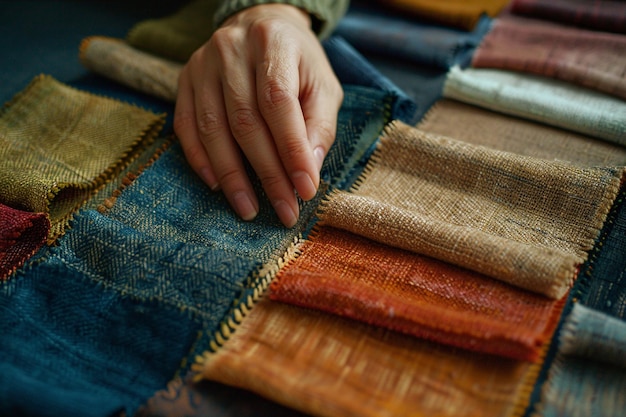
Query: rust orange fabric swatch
<point x="345" y="274"/>
<point x="595" y="60"/>
<point x="463" y="14"/>
<point x="329" y="366"/>
<point x="499" y="131"/>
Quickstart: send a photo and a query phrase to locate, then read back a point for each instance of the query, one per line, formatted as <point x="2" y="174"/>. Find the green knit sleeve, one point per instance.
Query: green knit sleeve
<point x="325" y="14"/>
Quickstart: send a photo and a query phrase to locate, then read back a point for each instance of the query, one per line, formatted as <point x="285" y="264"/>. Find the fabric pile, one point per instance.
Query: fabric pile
<point x="463" y="257"/>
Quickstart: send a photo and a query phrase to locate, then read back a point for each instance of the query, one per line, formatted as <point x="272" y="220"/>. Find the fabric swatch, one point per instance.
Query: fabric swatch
<point x="499" y="131"/>
<point x="21" y="234"/>
<point x="541" y="99"/>
<point x="326" y="365"/>
<point x="60" y="145"/>
<point x="589" y="374"/>
<point x="115" y="59"/>
<point x="72" y="346"/>
<point x="596" y="60"/>
<point x="603" y="15"/>
<point x="604" y="285"/>
<point x="375" y="31"/>
<point x="345" y="274"/>
<point x="187" y="398"/>
<point x="178" y="35"/>
<point x="478" y="208"/>
<point x="463" y="14"/>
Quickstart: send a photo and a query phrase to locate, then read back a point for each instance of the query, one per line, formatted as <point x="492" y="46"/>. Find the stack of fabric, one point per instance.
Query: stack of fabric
<point x="465" y="256"/>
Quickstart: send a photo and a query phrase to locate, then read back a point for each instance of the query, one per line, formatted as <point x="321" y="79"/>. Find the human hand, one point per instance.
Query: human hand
<point x="262" y="87"/>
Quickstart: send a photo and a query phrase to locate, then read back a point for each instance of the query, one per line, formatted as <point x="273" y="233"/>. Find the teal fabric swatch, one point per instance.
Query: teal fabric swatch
<point x="588" y="377"/>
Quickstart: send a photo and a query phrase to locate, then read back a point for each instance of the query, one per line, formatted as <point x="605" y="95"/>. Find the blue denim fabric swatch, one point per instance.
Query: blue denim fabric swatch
<point x="376" y="30"/>
<point x="100" y="322"/>
<point x="352" y="68"/>
<point x="589" y="376"/>
<point x="603" y="277"/>
<point x="71" y="347"/>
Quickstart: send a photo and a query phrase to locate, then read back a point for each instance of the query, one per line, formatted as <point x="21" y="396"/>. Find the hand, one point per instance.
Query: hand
<point x="262" y="87"/>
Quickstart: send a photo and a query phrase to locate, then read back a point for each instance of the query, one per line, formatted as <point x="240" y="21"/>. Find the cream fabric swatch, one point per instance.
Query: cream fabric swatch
<point x="541" y="99"/>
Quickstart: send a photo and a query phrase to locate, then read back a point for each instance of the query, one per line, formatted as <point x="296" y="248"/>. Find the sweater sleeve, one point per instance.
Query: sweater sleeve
<point x="325" y="14"/>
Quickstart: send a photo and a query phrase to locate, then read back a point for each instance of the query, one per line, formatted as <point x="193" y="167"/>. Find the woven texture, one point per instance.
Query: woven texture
<point x="115" y="59"/>
<point x="604" y="15"/>
<point x="187" y="398"/>
<point x="464" y="14"/>
<point x="541" y="99"/>
<point x="605" y="272"/>
<point x="374" y="31"/>
<point x="488" y="128"/>
<point x="596" y="60"/>
<point x="21" y="234"/>
<point x="329" y="366"/>
<point x="60" y="145"/>
<point x="73" y="347"/>
<point x="589" y="374"/>
<point x="351" y="276"/>
<point x="478" y="208"/>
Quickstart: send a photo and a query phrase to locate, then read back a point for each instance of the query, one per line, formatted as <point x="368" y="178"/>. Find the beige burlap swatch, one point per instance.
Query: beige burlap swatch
<point x="325" y="365"/>
<point x="523" y="220"/>
<point x="495" y="130"/>
<point x="116" y="59"/>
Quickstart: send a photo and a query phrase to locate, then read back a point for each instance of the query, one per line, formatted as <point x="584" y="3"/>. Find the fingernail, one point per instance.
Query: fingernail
<point x="304" y="184"/>
<point x="319" y="155"/>
<point x="243" y="206"/>
<point x="285" y="213"/>
<point x="208" y="178"/>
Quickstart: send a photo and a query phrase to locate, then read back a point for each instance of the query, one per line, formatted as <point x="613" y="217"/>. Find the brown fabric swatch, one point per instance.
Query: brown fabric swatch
<point x="595" y="60"/>
<point x="345" y="274"/>
<point x="526" y="221"/>
<point x="495" y="130"/>
<point x="330" y="366"/>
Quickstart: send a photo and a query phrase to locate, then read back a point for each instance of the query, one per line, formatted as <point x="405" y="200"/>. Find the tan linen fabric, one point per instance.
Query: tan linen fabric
<point x="59" y="145"/>
<point x="115" y="59"/>
<point x="326" y="365"/>
<point x="526" y="221"/>
<point x="480" y="126"/>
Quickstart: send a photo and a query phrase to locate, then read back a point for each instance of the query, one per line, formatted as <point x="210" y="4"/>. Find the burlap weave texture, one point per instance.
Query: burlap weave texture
<point x="523" y="220"/>
<point x="484" y="127"/>
<point x="59" y="145"/>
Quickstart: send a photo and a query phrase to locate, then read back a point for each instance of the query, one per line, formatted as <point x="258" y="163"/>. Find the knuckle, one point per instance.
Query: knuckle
<point x="292" y="150"/>
<point x="229" y="177"/>
<point x="244" y="122"/>
<point x="208" y="123"/>
<point x="183" y="121"/>
<point x="276" y="92"/>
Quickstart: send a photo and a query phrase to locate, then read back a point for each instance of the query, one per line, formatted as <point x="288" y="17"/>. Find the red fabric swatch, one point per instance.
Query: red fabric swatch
<point x="22" y="233"/>
<point x="596" y="60"/>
